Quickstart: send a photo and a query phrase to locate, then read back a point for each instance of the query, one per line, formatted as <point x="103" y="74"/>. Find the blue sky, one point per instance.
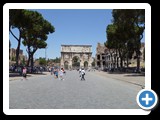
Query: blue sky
<point x="72" y="27"/>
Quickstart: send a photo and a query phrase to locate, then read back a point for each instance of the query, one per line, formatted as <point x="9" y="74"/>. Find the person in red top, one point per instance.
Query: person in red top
<point x="64" y="71"/>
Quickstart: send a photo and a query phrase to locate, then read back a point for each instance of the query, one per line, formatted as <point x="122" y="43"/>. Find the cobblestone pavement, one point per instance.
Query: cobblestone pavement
<point x="97" y="92"/>
<point x="133" y="78"/>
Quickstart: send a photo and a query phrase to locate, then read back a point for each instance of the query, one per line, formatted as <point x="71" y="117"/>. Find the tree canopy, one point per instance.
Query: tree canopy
<point x="33" y="29"/>
<point x="42" y="61"/>
<point x="17" y="20"/>
<point x="126" y="32"/>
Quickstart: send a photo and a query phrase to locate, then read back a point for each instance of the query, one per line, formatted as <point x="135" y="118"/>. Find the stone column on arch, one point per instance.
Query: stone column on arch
<point x="96" y="60"/>
<point x="81" y="61"/>
<point x="89" y="60"/>
<point x="70" y="60"/>
<point x="62" y="60"/>
<point x="101" y="62"/>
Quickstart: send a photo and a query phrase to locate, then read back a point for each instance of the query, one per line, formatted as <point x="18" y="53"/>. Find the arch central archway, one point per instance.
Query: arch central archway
<point x="85" y="64"/>
<point x="66" y="65"/>
<point x="75" y="62"/>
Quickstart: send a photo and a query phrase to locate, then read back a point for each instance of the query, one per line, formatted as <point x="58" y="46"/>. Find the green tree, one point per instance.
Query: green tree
<point x="112" y="42"/>
<point x="42" y="61"/>
<point x="139" y="22"/>
<point x="56" y="60"/>
<point x="35" y="35"/>
<point x="122" y="19"/>
<point x="17" y="21"/>
<point x="126" y="32"/>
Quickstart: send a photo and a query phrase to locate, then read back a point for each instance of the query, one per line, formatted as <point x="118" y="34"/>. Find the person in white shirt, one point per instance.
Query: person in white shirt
<point x="82" y="74"/>
<point x="79" y="70"/>
<point x="61" y="74"/>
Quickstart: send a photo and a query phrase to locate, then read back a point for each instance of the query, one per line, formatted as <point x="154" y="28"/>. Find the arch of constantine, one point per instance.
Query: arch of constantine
<point x="76" y="56"/>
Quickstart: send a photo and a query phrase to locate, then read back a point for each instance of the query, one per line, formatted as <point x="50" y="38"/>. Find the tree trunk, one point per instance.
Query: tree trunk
<point x="17" y="53"/>
<point x="127" y="60"/>
<point x="117" y="62"/>
<point x="121" y="62"/>
<point x="138" y="61"/>
<point x="32" y="63"/>
<point x="28" y="59"/>
<point x="29" y="55"/>
<point x="121" y="59"/>
<point x="111" y="55"/>
<point x="138" y="55"/>
<point x="116" y="59"/>
<point x="111" y="60"/>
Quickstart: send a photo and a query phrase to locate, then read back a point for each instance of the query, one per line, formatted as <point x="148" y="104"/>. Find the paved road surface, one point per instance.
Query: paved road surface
<point x="97" y="92"/>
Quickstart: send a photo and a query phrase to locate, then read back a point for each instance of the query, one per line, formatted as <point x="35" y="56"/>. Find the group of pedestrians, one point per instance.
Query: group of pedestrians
<point x="58" y="73"/>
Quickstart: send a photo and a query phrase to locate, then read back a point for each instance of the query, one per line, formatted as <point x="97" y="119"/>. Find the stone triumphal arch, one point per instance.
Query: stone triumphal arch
<point x="76" y="56"/>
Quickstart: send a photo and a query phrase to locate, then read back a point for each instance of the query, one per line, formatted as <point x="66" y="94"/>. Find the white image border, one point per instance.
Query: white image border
<point x="8" y="6"/>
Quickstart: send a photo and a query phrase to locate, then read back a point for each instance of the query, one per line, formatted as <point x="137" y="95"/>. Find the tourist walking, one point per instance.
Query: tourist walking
<point x="56" y="73"/>
<point x="82" y="74"/>
<point x="24" y="73"/>
<point x="80" y="70"/>
<point x="61" y="72"/>
<point x="52" y="70"/>
<point x="64" y="71"/>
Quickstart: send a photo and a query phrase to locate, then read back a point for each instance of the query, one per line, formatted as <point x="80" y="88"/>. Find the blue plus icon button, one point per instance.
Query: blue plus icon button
<point x="147" y="99"/>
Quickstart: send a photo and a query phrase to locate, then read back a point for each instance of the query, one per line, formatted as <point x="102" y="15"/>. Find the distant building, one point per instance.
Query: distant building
<point x="76" y="56"/>
<point x="100" y="60"/>
<point x="13" y="55"/>
<point x="108" y="58"/>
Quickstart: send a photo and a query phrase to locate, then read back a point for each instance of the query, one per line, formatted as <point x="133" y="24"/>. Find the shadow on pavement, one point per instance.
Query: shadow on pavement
<point x="134" y="75"/>
<point x="116" y="73"/>
<point x="28" y="75"/>
<point x="14" y="75"/>
<point x="128" y="74"/>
